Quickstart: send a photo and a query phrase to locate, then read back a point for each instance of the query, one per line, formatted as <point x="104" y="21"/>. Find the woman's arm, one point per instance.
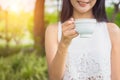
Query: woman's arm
<point x="115" y="55"/>
<point x="56" y="52"/>
<point x="55" y="62"/>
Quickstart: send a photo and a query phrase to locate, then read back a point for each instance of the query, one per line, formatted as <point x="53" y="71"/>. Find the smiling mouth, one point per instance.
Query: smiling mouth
<point x="81" y="2"/>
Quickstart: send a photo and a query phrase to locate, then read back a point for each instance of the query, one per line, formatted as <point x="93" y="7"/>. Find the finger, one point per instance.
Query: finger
<point x="72" y="19"/>
<point x="72" y="26"/>
<point x="68" y="22"/>
<point x="72" y="32"/>
<point x="72" y="35"/>
<point x="75" y="35"/>
<point x="69" y="32"/>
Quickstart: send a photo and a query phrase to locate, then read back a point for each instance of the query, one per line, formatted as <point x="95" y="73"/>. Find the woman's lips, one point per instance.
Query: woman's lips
<point x="83" y="4"/>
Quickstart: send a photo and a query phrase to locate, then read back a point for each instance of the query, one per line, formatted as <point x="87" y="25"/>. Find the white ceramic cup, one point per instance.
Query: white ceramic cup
<point x="85" y="27"/>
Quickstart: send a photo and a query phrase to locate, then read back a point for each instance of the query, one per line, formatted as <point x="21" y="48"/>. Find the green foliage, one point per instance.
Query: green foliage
<point x="23" y="67"/>
<point x="51" y="18"/>
<point x="30" y="24"/>
<point x="15" y="26"/>
<point x="117" y="20"/>
<point x="110" y="11"/>
<point x="9" y="51"/>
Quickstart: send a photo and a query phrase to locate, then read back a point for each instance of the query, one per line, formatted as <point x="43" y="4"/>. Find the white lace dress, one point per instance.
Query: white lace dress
<point x="89" y="58"/>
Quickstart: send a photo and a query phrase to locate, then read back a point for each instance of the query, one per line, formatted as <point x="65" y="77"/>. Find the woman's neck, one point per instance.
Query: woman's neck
<point x="78" y="15"/>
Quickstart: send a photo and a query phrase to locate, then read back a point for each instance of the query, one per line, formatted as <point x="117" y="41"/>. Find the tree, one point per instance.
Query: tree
<point x="39" y="29"/>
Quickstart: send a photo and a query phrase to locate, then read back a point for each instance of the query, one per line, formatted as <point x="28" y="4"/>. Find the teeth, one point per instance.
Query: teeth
<point x="84" y="2"/>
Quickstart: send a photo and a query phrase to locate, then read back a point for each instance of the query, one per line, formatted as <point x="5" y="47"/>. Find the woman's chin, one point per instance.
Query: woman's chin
<point x="82" y="11"/>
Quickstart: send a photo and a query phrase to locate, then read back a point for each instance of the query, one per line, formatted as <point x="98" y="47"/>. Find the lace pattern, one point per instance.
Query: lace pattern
<point x="83" y="67"/>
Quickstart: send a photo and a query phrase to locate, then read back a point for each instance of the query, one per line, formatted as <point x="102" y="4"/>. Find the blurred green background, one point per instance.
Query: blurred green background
<point x="22" y="30"/>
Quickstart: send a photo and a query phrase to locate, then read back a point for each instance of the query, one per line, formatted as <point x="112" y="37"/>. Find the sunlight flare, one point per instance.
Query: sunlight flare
<point x="14" y="8"/>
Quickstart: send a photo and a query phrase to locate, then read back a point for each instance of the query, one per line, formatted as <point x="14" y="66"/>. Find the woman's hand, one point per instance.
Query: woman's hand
<point x="68" y="31"/>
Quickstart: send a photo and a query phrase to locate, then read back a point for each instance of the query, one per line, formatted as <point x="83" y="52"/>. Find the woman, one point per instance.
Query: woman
<point x="70" y="57"/>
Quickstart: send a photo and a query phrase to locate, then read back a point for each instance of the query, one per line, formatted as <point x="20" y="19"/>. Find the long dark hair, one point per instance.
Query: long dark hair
<point x="98" y="11"/>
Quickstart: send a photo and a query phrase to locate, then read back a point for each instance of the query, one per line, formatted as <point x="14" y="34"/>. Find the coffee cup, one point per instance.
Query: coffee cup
<point x="85" y="27"/>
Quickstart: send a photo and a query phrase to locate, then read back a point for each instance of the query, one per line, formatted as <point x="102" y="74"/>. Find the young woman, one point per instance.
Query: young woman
<point x="70" y="57"/>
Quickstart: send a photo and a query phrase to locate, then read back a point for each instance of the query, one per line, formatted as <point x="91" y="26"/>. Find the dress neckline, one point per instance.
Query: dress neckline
<point x="86" y="20"/>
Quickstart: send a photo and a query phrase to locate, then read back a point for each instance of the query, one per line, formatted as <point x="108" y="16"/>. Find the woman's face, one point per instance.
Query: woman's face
<point x="83" y="6"/>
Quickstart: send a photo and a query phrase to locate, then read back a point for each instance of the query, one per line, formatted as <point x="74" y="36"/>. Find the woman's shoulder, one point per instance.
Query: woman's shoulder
<point x="52" y="27"/>
<point x="114" y="31"/>
<point x="113" y="26"/>
<point x="52" y="30"/>
<point x="51" y="33"/>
